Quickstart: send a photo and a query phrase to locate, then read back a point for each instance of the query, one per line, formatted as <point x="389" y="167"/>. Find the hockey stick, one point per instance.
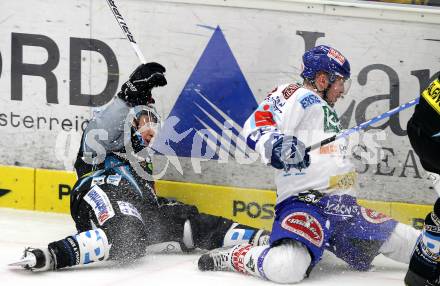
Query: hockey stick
<point x="364" y="125"/>
<point x="125" y="29"/>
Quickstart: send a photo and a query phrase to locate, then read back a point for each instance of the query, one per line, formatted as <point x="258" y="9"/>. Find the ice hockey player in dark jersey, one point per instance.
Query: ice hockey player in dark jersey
<point x="105" y="132"/>
<point x="118" y="215"/>
<point x="424" y="128"/>
<point x="424" y="135"/>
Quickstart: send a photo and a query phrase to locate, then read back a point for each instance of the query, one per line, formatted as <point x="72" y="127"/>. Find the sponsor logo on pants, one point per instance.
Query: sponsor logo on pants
<point x="374" y="216"/>
<point x="305" y="226"/>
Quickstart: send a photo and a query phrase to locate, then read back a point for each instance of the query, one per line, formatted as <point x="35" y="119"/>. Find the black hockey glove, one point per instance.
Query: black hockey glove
<point x="137" y="90"/>
<point x="175" y="210"/>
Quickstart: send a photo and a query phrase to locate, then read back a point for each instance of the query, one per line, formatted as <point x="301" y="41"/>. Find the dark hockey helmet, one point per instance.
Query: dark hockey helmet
<point x="146" y="110"/>
<point x="146" y="121"/>
<point x="327" y="59"/>
<point x="134" y="159"/>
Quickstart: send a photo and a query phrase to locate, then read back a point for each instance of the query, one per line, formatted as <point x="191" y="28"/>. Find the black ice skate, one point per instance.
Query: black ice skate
<point x="217" y="260"/>
<point x="424" y="267"/>
<point x="36" y="260"/>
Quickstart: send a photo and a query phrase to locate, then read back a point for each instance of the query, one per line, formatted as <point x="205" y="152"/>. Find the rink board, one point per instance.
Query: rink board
<point x="17" y="187"/>
<point x="60" y="66"/>
<point x="49" y="190"/>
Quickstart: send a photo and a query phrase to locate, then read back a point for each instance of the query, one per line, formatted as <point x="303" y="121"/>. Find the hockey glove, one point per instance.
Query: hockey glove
<point x="289" y="152"/>
<point x="137" y="90"/>
<point x="176" y="211"/>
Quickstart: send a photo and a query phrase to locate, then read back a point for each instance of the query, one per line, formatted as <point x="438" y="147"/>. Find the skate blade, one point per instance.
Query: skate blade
<point x="23" y="262"/>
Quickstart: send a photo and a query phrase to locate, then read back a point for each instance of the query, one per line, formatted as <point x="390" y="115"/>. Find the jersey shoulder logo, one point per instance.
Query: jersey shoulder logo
<point x="290" y="90"/>
<point x="308" y="100"/>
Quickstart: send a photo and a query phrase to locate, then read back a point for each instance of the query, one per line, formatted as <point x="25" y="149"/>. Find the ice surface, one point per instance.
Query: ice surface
<point x="19" y="229"/>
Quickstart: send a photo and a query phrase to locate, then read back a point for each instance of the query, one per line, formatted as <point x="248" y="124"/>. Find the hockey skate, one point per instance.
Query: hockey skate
<point x="217" y="260"/>
<point x="36" y="259"/>
<point x="424" y="267"/>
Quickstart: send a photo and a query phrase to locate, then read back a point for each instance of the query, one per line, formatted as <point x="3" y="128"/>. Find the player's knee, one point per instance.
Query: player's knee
<point x="400" y="243"/>
<point x="287" y="262"/>
<point x="93" y="246"/>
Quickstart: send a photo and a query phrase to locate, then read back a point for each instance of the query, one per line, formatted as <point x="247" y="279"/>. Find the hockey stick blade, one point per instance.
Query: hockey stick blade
<point x="25" y="261"/>
<point x="364" y="125"/>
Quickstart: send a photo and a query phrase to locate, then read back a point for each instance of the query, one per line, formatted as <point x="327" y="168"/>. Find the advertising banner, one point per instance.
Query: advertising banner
<point x="60" y="66"/>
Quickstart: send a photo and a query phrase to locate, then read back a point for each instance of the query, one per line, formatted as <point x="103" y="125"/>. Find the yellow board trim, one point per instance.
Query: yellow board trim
<point x="49" y="191"/>
<point x="252" y="207"/>
<point x="52" y="190"/>
<point x="17" y="186"/>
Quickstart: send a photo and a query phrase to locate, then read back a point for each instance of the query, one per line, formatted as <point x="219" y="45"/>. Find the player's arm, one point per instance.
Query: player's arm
<point x="108" y="125"/>
<point x="263" y="133"/>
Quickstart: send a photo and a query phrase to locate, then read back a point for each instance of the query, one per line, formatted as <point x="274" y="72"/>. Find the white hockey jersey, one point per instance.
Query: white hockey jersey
<point x="293" y="110"/>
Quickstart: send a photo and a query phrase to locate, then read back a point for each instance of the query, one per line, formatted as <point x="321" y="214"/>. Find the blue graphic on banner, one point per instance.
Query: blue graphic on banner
<point x="215" y="98"/>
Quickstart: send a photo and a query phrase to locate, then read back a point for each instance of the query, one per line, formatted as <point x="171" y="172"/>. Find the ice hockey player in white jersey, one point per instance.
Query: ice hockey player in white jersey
<point x="315" y="208"/>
